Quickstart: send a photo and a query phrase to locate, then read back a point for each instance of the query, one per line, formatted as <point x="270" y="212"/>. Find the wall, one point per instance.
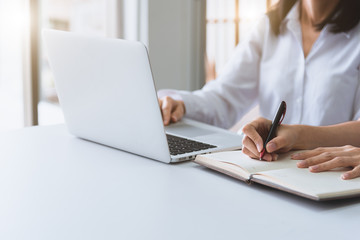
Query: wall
<point x="176" y="43"/>
<point x="174" y="32"/>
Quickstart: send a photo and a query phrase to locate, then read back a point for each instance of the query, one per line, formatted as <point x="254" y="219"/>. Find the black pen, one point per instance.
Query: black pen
<point x="279" y="117"/>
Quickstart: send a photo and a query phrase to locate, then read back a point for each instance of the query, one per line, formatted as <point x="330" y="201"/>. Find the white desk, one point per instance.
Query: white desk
<point x="56" y="186"/>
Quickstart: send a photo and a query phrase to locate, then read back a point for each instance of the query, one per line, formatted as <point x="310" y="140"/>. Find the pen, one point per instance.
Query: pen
<point x="279" y="117"/>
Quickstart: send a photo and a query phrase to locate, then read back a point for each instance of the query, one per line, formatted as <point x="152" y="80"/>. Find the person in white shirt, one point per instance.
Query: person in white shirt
<point x="321" y="139"/>
<point x="305" y="52"/>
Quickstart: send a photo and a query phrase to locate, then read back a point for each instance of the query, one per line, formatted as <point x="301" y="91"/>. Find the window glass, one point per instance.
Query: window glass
<point x="12" y="25"/>
<point x="228" y="21"/>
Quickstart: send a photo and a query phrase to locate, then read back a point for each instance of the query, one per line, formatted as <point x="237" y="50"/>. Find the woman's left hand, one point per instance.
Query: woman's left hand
<point x="327" y="158"/>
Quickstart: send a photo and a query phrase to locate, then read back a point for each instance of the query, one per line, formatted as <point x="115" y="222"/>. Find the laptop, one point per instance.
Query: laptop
<point x="107" y="94"/>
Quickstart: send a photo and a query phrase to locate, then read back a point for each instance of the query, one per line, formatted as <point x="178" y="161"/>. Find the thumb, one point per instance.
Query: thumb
<point x="276" y="144"/>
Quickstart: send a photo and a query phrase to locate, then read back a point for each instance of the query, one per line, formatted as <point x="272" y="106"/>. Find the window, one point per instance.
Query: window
<point x="27" y="92"/>
<point x="12" y="25"/>
<point x="228" y="21"/>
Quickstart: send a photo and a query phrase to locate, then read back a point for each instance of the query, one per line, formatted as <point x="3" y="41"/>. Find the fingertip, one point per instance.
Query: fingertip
<point x="259" y="147"/>
<point x="349" y="175"/>
<point x="345" y="176"/>
<point x="267" y="157"/>
<point x="296" y="156"/>
<point x="314" y="168"/>
<point x="271" y="147"/>
<point x="166" y="121"/>
<point x="301" y="164"/>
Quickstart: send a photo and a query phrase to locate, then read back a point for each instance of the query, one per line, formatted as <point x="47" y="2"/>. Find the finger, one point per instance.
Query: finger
<point x="352" y="174"/>
<point x="328" y="165"/>
<point x="177" y="114"/>
<point x="250" y="145"/>
<point x="315" y="152"/>
<point x="271" y="146"/>
<point x="166" y="110"/>
<point x="250" y="131"/>
<point x="317" y="159"/>
<point x="308" y="154"/>
<point x="274" y="156"/>
<point x="249" y="153"/>
<point x="305" y="155"/>
<point x="268" y="157"/>
<point x="276" y="144"/>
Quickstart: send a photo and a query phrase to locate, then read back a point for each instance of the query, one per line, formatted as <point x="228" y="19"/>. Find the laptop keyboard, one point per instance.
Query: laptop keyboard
<point x="179" y="145"/>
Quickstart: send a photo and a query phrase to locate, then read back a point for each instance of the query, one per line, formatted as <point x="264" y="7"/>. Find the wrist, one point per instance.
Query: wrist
<point x="300" y="133"/>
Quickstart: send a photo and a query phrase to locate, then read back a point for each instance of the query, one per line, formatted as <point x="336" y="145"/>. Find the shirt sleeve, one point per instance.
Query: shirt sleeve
<point x="357" y="99"/>
<point x="225" y="100"/>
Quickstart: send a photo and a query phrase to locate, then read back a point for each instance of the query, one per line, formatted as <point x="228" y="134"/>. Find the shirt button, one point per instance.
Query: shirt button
<point x="298" y="100"/>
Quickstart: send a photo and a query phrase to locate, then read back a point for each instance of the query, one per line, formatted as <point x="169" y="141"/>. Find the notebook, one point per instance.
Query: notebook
<point x="107" y="94"/>
<point x="283" y="174"/>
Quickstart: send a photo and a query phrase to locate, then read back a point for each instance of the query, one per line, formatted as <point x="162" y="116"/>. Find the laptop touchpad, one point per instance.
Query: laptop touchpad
<point x="187" y="130"/>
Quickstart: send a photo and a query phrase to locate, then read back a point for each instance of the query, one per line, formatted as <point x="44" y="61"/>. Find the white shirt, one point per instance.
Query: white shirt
<point x="321" y="89"/>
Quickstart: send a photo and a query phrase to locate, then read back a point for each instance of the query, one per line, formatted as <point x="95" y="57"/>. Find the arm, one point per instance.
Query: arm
<point x="310" y="137"/>
<point x="324" y="157"/>
<point x="298" y="136"/>
<point x="223" y="101"/>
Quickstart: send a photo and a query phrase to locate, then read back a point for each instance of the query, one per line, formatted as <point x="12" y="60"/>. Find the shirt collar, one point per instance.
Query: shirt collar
<point x="294" y="16"/>
<point x="291" y="21"/>
<point x="294" y="13"/>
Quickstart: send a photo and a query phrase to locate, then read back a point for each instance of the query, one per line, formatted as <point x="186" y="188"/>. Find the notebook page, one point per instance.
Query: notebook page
<point x="252" y="165"/>
<point x="323" y="185"/>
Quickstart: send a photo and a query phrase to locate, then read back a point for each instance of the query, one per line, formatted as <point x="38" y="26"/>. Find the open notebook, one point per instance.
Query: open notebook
<point x="283" y="174"/>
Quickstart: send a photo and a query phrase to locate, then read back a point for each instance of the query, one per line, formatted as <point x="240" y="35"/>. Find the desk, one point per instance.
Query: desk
<point x="56" y="186"/>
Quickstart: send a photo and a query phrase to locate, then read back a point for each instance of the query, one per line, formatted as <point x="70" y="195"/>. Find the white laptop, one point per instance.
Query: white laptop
<point x="107" y="94"/>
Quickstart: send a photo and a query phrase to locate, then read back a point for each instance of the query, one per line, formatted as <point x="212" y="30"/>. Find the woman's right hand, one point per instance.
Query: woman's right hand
<point x="256" y="133"/>
<point x="171" y="110"/>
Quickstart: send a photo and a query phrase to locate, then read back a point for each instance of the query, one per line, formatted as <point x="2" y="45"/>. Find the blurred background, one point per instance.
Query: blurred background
<point x="189" y="42"/>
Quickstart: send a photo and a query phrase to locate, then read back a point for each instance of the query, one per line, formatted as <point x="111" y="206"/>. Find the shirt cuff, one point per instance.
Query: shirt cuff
<point x="171" y="93"/>
<point x="185" y="96"/>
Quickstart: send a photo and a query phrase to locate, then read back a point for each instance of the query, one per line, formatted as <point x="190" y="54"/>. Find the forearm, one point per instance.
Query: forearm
<point x="208" y="107"/>
<point x="310" y="137"/>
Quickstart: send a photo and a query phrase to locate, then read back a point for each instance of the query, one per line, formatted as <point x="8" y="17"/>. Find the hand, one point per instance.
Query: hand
<point x="256" y="133"/>
<point x="323" y="159"/>
<point x="171" y="110"/>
